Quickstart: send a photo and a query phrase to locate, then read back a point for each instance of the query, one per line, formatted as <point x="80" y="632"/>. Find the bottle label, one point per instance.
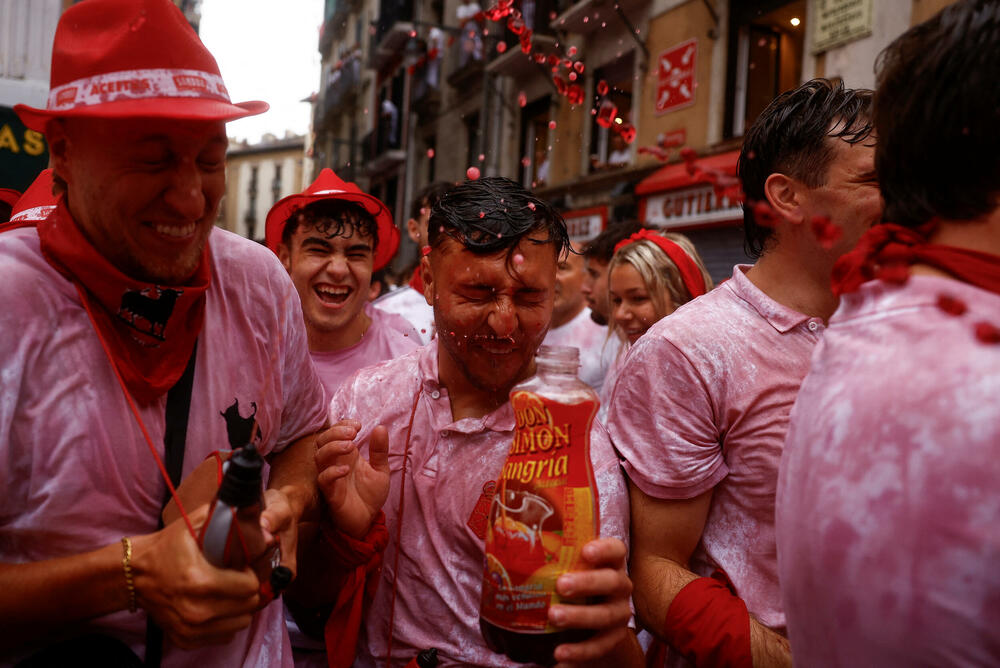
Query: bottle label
<point x="543" y="512"/>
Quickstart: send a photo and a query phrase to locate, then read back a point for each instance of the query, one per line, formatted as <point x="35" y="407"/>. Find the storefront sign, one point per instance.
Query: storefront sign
<point x="585" y="224"/>
<point x="675" y="79"/>
<point x="836" y="22"/>
<point x="685" y="207"/>
<point x="674" y="139"/>
<point x="23" y="152"/>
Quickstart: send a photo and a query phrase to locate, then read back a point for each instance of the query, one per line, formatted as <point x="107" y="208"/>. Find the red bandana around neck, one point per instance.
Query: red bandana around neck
<point x="149" y="329"/>
<point x="417" y="281"/>
<point x="886" y="252"/>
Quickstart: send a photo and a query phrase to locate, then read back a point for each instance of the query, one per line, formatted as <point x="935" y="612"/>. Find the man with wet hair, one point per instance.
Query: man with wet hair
<point x="489" y="276"/>
<point x="409" y="301"/>
<point x="890" y="481"/>
<point x="333" y="237"/>
<point x="702" y="451"/>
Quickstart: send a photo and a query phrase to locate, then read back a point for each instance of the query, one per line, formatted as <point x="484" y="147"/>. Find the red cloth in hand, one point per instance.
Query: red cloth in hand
<point x="709" y="626"/>
<point x="361" y="561"/>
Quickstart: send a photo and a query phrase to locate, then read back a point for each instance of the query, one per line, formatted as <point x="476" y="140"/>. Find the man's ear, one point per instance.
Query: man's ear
<point x="413" y="229"/>
<point x="784" y="194"/>
<point x="428" y="276"/>
<point x="59" y="145"/>
<point x="285" y="255"/>
<point x="374" y="289"/>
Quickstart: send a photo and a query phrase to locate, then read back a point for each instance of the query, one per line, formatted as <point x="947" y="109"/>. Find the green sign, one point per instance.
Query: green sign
<point x="23" y="152"/>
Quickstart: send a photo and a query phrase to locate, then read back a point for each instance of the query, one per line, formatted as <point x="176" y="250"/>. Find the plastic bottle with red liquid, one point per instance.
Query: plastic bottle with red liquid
<point x="231" y="537"/>
<point x="544" y="511"/>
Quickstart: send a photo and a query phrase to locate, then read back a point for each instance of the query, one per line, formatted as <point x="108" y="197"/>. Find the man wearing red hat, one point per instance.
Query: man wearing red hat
<point x="331" y="238"/>
<point x="140" y="339"/>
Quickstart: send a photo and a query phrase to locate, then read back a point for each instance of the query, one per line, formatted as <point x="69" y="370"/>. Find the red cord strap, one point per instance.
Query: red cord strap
<point x="135" y="412"/>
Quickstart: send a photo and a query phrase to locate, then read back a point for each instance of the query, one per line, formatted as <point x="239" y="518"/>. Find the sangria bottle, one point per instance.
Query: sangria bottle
<point x="544" y="511"/>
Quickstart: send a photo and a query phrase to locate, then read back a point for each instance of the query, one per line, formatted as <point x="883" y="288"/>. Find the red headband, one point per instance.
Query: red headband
<point x="690" y="273"/>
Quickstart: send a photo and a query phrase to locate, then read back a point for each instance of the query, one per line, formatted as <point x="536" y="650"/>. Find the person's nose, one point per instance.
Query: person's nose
<point x="336" y="266"/>
<point x="184" y="193"/>
<point x="621" y="313"/>
<point x="503" y="318"/>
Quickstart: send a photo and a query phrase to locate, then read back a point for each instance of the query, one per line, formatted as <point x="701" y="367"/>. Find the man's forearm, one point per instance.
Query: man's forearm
<point x="770" y="649"/>
<point x="37" y="598"/>
<point x="293" y="472"/>
<point x="658" y="581"/>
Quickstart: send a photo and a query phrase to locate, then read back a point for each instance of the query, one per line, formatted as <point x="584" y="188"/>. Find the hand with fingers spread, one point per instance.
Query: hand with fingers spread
<point x="609" y="584"/>
<point x="194" y="602"/>
<point x="354" y="489"/>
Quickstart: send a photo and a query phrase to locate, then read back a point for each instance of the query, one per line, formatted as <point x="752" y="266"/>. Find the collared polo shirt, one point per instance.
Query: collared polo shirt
<point x="452" y="468"/>
<point x="702" y="402"/>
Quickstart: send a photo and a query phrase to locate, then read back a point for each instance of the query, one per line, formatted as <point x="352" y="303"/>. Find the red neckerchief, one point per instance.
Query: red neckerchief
<point x="886" y="252"/>
<point x="149" y="329"/>
<point x="417" y="281"/>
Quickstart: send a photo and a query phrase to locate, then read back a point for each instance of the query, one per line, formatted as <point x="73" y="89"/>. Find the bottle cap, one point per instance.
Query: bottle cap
<point x="241" y="485"/>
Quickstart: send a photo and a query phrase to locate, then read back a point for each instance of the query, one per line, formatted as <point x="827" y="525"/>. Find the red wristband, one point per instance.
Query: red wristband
<point x="709" y="626"/>
<point x="351" y="552"/>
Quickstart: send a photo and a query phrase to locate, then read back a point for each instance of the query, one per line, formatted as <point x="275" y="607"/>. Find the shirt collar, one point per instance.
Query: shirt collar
<point x="777" y="315"/>
<point x="502" y="419"/>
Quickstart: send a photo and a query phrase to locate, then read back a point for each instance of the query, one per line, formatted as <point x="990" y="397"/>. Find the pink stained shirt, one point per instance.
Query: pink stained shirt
<point x="889" y="495"/>
<point x="451" y="465"/>
<point x="75" y="470"/>
<point x="388" y="337"/>
<point x="702" y="402"/>
<point x="412" y="307"/>
<point x="597" y="352"/>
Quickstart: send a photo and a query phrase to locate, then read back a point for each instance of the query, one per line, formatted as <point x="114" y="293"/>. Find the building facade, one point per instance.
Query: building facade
<point x="420" y="90"/>
<point x="257" y="176"/>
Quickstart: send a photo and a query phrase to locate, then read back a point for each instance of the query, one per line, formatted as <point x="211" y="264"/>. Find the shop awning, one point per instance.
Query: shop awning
<point x="671" y="198"/>
<point x="672" y="177"/>
<point x="585" y="224"/>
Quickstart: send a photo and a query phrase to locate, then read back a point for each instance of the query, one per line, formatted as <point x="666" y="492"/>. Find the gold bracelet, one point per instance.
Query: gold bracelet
<point x="127" y="567"/>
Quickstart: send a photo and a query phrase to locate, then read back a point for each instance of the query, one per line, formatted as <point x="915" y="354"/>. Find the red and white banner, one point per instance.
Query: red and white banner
<point x="675" y="77"/>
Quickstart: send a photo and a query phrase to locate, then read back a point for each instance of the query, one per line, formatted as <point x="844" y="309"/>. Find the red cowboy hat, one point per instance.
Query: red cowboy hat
<point x="330" y="186"/>
<point x="132" y="59"/>
<point x="37" y="202"/>
<point x="9" y="196"/>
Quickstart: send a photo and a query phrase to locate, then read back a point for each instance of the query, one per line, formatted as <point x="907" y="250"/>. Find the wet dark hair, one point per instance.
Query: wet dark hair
<point x="493" y="214"/>
<point x="789" y="137"/>
<point x="428" y="196"/>
<point x="332" y="218"/>
<point x="937" y="110"/>
<point x="602" y="247"/>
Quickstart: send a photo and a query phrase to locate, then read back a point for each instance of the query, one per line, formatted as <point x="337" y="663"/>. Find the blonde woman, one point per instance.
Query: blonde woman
<point x="651" y="274"/>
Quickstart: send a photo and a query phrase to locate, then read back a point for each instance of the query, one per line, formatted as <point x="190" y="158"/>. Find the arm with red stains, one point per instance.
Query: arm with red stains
<point x="664" y="536"/>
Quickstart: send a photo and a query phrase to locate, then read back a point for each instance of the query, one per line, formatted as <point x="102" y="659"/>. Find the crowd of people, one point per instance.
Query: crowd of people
<point x="802" y="462"/>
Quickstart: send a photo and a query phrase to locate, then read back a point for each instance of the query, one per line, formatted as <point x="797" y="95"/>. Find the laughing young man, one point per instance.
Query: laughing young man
<point x="331" y="239"/>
